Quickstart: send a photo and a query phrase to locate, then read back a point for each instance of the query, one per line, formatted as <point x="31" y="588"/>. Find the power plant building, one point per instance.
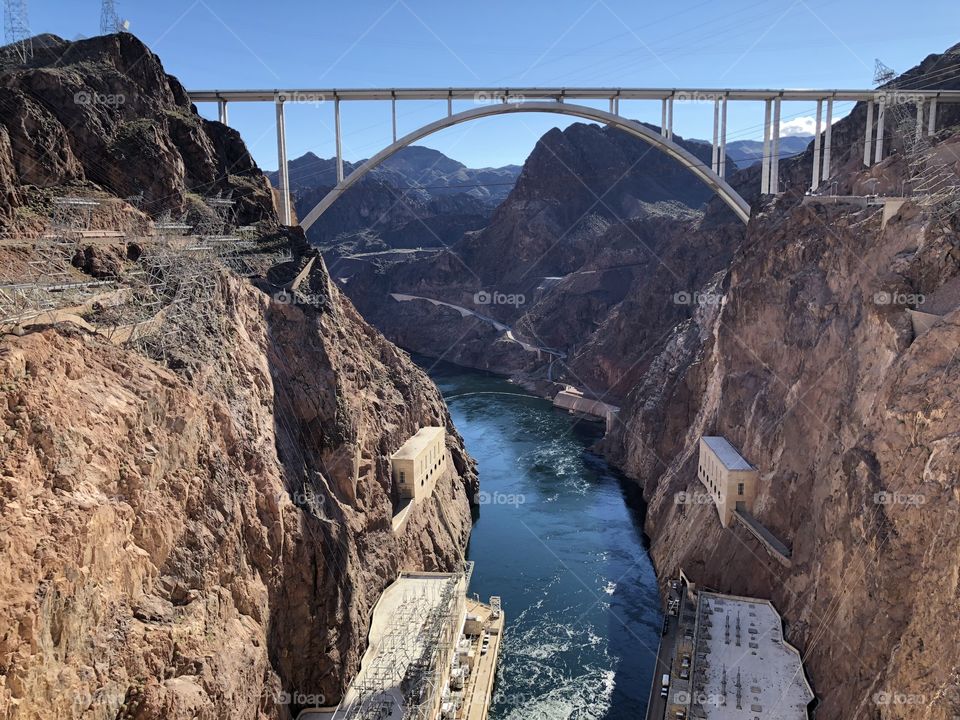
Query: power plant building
<point x="418" y="463"/>
<point x="731" y="480"/>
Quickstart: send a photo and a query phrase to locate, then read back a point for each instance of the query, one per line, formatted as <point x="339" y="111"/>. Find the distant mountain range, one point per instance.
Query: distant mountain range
<point x="411" y="168"/>
<point x="749" y="152"/>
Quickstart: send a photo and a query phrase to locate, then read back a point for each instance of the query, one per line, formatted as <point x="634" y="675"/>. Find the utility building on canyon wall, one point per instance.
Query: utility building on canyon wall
<point x="731" y="480"/>
<point x="418" y="463"/>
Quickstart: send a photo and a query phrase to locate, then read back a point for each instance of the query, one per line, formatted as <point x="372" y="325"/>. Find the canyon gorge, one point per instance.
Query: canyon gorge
<point x="191" y="533"/>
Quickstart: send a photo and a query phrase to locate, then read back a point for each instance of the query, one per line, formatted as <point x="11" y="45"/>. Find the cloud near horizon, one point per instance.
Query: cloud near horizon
<point x="801" y="126"/>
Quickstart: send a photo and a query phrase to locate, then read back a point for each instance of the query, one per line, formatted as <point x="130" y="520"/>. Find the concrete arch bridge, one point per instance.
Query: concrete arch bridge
<point x="488" y="102"/>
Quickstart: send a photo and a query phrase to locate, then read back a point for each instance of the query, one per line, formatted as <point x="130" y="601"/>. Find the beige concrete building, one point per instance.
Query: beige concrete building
<point x="418" y="463"/>
<point x="731" y="480"/>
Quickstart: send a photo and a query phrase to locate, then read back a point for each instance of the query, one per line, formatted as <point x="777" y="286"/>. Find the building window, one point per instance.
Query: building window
<point x="740" y="489"/>
<point x="403" y="477"/>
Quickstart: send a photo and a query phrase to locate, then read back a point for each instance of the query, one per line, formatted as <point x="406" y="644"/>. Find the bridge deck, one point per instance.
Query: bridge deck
<point x="493" y="94"/>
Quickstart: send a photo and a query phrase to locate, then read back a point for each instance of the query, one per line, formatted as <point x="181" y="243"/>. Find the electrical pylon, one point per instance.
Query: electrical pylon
<point x="16" y="25"/>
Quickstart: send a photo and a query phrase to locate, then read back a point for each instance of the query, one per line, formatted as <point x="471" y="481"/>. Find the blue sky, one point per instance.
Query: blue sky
<point x="220" y="44"/>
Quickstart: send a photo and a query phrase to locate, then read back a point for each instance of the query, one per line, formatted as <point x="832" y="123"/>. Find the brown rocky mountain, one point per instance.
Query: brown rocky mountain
<point x="202" y="533"/>
<point x="101" y="114"/>
<point x="807" y="360"/>
<point x="838" y="403"/>
<point x="598" y="225"/>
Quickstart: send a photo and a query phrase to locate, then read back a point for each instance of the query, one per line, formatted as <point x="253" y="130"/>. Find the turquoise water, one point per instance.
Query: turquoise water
<point x="559" y="537"/>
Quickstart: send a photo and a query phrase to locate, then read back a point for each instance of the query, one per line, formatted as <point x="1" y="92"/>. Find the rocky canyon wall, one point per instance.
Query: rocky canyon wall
<point x="809" y="364"/>
<point x="200" y="532"/>
<point x="194" y="543"/>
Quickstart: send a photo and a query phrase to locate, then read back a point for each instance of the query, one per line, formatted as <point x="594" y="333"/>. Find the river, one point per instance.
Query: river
<point x="559" y="536"/>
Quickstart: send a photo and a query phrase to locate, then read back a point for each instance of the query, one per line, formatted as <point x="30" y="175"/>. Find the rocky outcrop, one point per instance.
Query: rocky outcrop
<point x="598" y="251"/>
<point x="811" y="367"/>
<point x="199" y="543"/>
<point x="102" y="115"/>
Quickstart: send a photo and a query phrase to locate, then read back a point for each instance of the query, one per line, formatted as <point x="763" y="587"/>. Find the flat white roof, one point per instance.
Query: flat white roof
<point x="726" y="453"/>
<point x="772" y="684"/>
<point x="415" y="445"/>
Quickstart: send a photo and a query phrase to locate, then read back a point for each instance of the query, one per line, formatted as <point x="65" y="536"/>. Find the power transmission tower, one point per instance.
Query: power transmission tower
<point x="17" y="28"/>
<point x="109" y="20"/>
<point x="882" y="74"/>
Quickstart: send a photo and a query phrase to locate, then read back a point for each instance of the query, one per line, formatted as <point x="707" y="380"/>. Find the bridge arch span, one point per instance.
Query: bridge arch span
<point x="685" y="158"/>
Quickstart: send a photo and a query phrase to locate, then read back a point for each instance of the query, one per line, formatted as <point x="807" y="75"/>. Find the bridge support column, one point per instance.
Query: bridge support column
<point x="449" y="105"/>
<point x="826" y="140"/>
<point x="868" y="134"/>
<point x="932" y="121"/>
<point x="336" y="130"/>
<point x="663" y="117"/>
<point x="222" y="112"/>
<point x="393" y="108"/>
<point x="765" y="159"/>
<point x="881" y="106"/>
<point x="775" y="149"/>
<point x="283" y="170"/>
<point x="723" y="138"/>
<point x="670" y="118"/>
<point x="919" y="129"/>
<point x="616" y="106"/>
<point x="715" y="157"/>
<point x="815" y="182"/>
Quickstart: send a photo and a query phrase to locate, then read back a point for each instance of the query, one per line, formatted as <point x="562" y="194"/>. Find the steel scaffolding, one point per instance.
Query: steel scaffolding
<point x="931" y="181"/>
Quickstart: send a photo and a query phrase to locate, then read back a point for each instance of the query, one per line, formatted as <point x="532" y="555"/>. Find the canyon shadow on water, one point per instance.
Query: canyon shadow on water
<point x="559" y="536"/>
